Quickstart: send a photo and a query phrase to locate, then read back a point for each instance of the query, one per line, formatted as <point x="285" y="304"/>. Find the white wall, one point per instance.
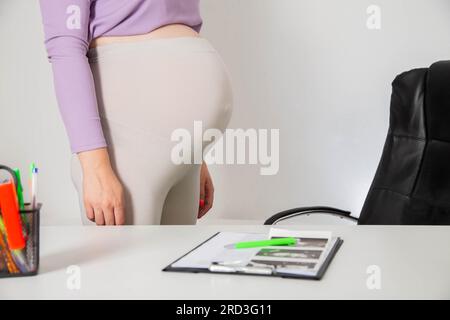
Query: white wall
<point x="308" y="67"/>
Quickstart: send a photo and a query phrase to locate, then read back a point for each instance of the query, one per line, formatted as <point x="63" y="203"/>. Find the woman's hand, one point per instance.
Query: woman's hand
<point x="206" y="191"/>
<point x="103" y="193"/>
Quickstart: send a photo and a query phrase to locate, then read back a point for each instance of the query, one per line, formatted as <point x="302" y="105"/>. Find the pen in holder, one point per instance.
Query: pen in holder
<point x="19" y="232"/>
<point x="21" y="262"/>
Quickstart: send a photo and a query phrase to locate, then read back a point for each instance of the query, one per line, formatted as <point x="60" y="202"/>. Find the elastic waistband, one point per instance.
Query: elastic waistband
<point x="162" y="45"/>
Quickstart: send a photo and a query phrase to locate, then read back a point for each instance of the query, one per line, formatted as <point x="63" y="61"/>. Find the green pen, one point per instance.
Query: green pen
<point x="19" y="188"/>
<point x="265" y="243"/>
<point x="32" y="166"/>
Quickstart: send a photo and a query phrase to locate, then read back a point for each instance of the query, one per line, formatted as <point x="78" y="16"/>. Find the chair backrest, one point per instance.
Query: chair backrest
<point x="313" y="219"/>
<point x="412" y="182"/>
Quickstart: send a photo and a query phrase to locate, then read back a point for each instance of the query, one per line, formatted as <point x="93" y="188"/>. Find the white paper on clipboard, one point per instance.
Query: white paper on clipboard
<point x="214" y="250"/>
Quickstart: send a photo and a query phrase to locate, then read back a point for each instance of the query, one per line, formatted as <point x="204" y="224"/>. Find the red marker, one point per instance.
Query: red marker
<point x="9" y="207"/>
<point x="202" y="203"/>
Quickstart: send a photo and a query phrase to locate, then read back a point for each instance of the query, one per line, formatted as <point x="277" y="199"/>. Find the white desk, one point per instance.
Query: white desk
<point x="126" y="263"/>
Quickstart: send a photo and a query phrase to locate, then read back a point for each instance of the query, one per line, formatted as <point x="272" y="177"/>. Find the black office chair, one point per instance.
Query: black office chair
<point x="412" y="182"/>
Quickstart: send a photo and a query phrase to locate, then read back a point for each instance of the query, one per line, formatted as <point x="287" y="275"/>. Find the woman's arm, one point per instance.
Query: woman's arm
<point x="66" y="26"/>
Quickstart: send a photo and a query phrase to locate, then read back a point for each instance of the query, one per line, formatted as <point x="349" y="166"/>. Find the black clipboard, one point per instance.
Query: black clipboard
<point x="318" y="276"/>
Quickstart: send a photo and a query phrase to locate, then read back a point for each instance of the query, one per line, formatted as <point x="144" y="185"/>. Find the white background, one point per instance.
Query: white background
<point x="310" y="68"/>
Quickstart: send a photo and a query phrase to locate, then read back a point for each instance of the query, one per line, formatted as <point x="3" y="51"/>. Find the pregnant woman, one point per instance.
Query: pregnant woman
<point x="126" y="75"/>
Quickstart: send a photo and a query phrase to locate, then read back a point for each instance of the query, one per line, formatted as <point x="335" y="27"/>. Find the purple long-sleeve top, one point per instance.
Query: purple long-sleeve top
<point x="70" y="26"/>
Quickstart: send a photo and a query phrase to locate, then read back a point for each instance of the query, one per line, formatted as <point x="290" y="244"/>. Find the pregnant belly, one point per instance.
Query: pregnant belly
<point x="168" y="31"/>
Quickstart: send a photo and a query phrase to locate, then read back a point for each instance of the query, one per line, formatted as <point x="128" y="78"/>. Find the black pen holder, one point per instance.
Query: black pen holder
<point x="23" y="262"/>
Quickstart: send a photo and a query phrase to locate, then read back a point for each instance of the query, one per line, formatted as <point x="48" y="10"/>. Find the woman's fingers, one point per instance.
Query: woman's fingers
<point x="201" y="205"/>
<point x="89" y="211"/>
<point x="201" y="212"/>
<point x="108" y="213"/>
<point x="202" y="193"/>
<point x="202" y="202"/>
<point x="206" y="191"/>
<point x="99" y="218"/>
<point x="209" y="197"/>
<point x="119" y="207"/>
<point x="119" y="214"/>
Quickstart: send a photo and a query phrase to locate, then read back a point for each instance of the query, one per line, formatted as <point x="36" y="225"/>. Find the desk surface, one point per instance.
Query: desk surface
<point x="126" y="263"/>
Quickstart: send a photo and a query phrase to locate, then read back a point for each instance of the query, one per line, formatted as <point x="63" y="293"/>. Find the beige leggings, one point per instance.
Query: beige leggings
<point x="145" y="90"/>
